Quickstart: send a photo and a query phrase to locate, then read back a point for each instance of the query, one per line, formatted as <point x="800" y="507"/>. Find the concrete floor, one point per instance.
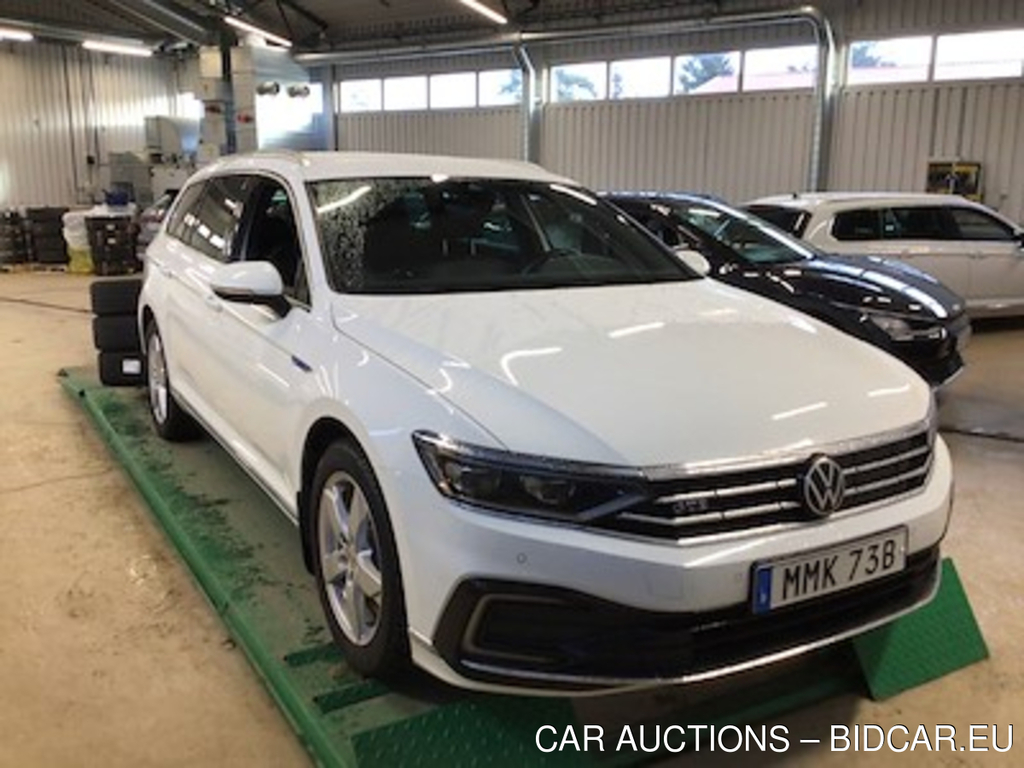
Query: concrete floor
<point x="109" y="655"/>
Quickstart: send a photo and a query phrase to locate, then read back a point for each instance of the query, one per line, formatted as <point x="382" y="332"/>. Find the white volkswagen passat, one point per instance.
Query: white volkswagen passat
<point x="524" y="445"/>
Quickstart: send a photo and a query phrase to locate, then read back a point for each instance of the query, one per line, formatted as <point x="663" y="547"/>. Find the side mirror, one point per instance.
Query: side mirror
<point x="251" y="282"/>
<point x="694" y="260"/>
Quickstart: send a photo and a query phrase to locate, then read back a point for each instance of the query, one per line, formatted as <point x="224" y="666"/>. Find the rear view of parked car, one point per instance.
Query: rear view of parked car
<point x="886" y="303"/>
<point x="525" y="446"/>
<point x="969" y="247"/>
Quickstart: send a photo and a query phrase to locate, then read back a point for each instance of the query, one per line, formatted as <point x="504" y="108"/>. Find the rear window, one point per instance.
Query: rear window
<point x="789" y="220"/>
<point x="972" y="224"/>
<point x="919" y="223"/>
<point x="859" y="224"/>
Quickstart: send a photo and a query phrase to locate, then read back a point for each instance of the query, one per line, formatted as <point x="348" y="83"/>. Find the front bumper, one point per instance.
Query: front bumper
<point x="501" y="603"/>
<point x="517" y="634"/>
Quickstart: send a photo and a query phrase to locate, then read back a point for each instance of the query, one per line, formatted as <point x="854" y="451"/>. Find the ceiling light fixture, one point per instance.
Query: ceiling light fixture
<point x="483" y="10"/>
<point x="126" y="50"/>
<point x="270" y="37"/>
<point x="7" y="33"/>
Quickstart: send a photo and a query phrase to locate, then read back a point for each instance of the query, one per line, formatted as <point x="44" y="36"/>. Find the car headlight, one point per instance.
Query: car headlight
<point x="900" y="329"/>
<point x="526" y="484"/>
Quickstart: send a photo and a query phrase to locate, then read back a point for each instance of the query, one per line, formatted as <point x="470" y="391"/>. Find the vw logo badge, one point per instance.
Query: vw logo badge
<point x="824" y="486"/>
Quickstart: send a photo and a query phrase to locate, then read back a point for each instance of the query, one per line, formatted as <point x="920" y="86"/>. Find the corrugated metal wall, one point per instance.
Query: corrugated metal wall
<point x="886" y="135"/>
<point x="734" y="146"/>
<point x="61" y="105"/>
<point x="494" y="132"/>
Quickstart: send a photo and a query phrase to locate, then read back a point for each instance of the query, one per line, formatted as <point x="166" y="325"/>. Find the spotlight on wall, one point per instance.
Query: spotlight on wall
<point x="125" y="50"/>
<point x="483" y="10"/>
<point x="252" y="29"/>
<point x="299" y="91"/>
<point x="8" y="33"/>
<point x="268" y="88"/>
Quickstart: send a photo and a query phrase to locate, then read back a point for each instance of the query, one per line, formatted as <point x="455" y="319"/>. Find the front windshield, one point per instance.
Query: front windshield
<point x="751" y="239"/>
<point x="423" y="235"/>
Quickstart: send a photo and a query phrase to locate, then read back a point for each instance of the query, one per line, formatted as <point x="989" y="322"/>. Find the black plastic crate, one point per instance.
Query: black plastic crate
<point x="111" y="232"/>
<point x="45" y="214"/>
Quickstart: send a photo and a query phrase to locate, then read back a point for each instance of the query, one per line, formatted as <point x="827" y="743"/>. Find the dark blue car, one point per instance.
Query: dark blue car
<point x="891" y="305"/>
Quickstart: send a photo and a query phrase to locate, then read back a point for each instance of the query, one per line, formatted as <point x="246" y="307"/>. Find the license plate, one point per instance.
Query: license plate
<point x="812" y="574"/>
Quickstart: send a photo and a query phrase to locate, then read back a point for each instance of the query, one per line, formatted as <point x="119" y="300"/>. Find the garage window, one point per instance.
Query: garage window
<point x="579" y="82"/>
<point x="361" y="95"/>
<point x="641" y="78"/>
<point x="898" y="60"/>
<point x="707" y="73"/>
<point x="980" y="55"/>
<point x="453" y="91"/>
<point x="405" y="93"/>
<point x="500" y="87"/>
<point x="767" y="69"/>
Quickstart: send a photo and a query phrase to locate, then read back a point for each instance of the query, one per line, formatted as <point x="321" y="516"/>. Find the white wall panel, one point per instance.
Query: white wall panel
<point x="735" y="146"/>
<point x="885" y="136"/>
<point x="474" y="133"/>
<point x="61" y="105"/>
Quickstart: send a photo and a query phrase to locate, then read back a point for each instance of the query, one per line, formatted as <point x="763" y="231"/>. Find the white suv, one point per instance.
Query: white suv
<point x="525" y="445"/>
<point x="967" y="246"/>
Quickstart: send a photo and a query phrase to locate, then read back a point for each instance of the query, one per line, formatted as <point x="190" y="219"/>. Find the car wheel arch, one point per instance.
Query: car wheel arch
<point x="321" y="434"/>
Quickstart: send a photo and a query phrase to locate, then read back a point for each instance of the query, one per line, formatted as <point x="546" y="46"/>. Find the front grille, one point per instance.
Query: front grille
<point x="704" y="504"/>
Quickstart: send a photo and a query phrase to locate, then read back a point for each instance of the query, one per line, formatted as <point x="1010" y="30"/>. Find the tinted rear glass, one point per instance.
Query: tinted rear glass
<point x="919" y="223"/>
<point x="861" y="224"/>
<point x="972" y="224"/>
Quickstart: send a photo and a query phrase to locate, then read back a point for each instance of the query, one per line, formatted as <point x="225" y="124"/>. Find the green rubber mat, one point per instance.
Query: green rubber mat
<point x="940" y="638"/>
<point x="246" y="557"/>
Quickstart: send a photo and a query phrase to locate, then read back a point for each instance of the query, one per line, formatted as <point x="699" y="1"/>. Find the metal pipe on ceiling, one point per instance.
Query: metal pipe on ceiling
<point x="821" y="25"/>
<point x="166" y="19"/>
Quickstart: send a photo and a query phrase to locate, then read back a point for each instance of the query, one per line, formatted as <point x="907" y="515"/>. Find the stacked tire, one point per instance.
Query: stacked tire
<point x="13" y="243"/>
<point x="46" y="236"/>
<point x="115" y="332"/>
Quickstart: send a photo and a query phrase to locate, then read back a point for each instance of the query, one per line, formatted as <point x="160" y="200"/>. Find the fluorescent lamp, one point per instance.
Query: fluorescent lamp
<point x="252" y="28"/>
<point x="126" y="50"/>
<point x="6" y="33"/>
<point x="483" y="10"/>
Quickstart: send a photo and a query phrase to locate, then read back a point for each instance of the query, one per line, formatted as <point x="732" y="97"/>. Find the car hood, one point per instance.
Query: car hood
<point x="681" y="373"/>
<point x="871" y="282"/>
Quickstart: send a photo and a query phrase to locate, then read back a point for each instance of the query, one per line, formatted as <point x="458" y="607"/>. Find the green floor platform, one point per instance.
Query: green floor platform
<point x="245" y="556"/>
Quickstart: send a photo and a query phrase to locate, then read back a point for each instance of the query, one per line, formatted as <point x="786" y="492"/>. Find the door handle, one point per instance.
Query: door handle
<point x="214" y="302"/>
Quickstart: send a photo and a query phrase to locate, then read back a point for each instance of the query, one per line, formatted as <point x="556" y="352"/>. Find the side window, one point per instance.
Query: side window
<point x="787" y="219"/>
<point x="212" y="225"/>
<point x="273" y="236"/>
<point x="972" y="224"/>
<point x="918" y="223"/>
<point x="858" y="224"/>
<point x="654" y="222"/>
<point x="186" y="204"/>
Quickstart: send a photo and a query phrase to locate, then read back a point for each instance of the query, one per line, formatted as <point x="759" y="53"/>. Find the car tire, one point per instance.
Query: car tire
<point x="115" y="297"/>
<point x="121" y="369"/>
<point x="116" y="333"/>
<point x="355" y="562"/>
<point x="170" y="421"/>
